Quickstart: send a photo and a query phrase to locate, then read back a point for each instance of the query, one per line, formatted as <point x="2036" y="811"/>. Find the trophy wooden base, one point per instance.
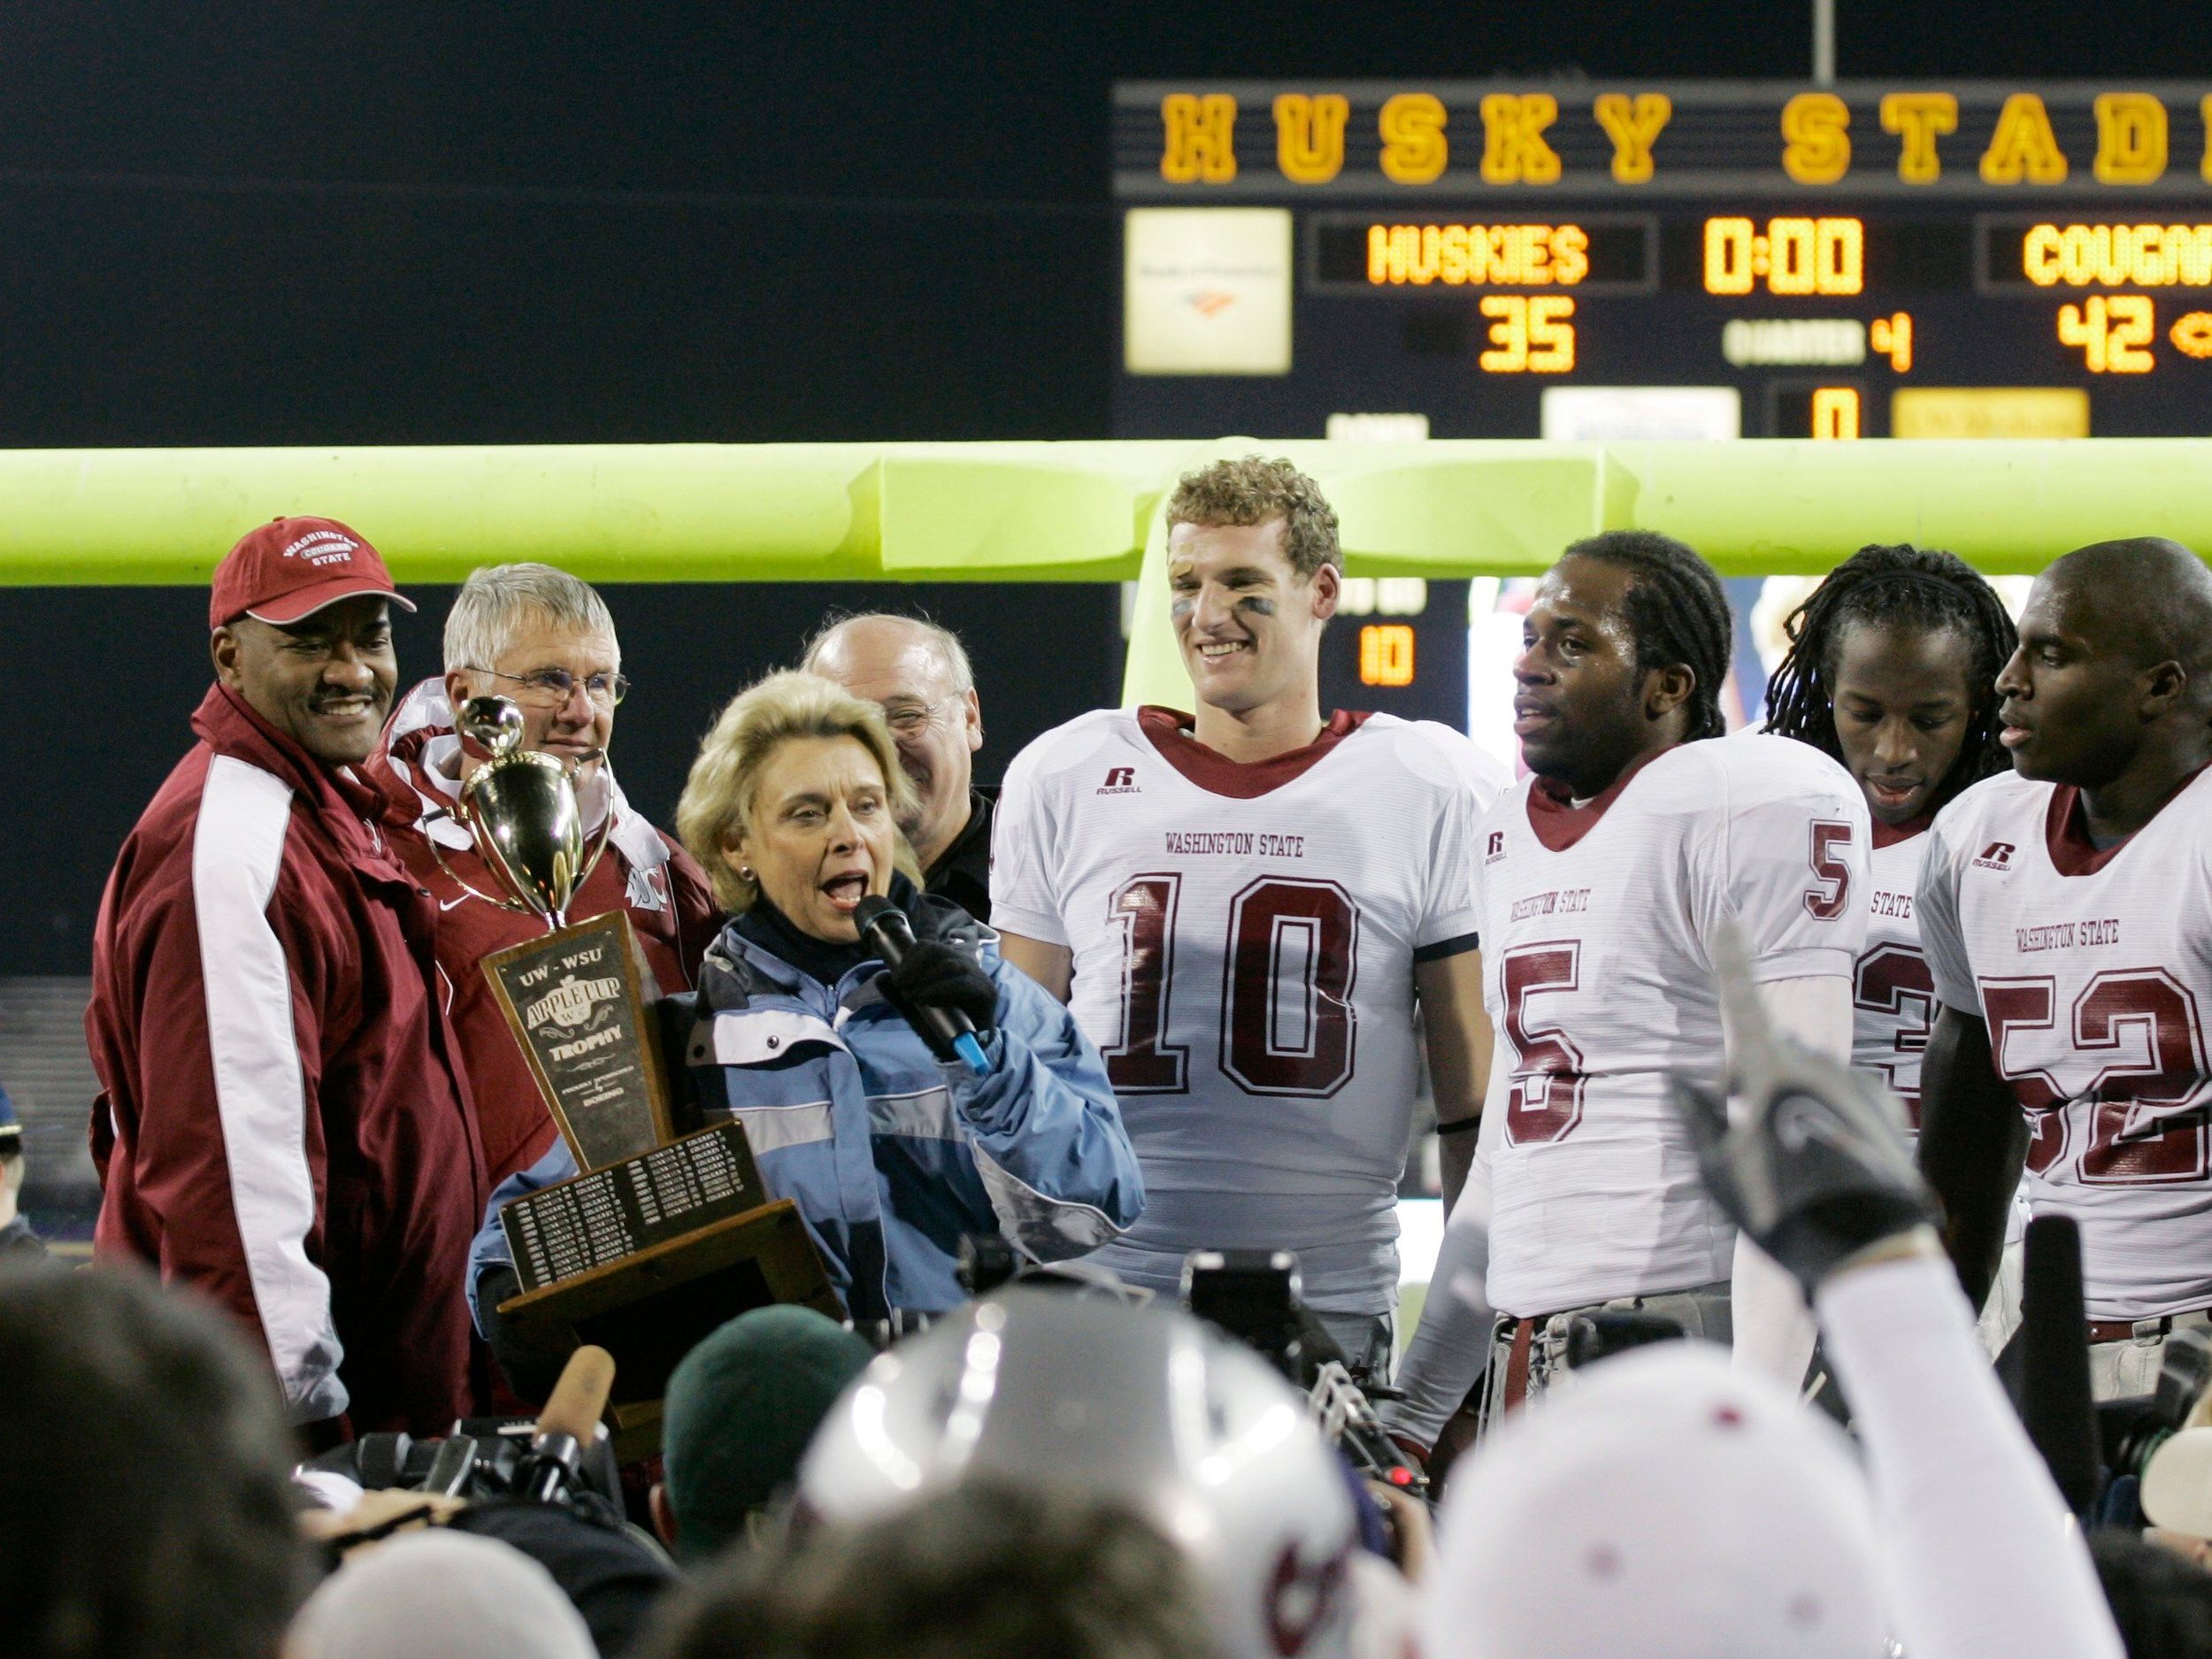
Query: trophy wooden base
<point x="646" y="1257"/>
<point x="650" y="1309"/>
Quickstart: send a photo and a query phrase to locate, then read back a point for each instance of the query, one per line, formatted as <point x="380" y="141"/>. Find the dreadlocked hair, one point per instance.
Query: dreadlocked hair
<point x="1677" y="612"/>
<point x="1901" y="587"/>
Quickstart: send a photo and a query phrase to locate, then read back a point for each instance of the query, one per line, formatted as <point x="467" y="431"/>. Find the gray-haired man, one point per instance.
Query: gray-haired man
<point x="541" y="638"/>
<point x="919" y="674"/>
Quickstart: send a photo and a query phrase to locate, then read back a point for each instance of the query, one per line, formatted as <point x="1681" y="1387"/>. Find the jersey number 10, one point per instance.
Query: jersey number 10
<point x="1288" y="1025"/>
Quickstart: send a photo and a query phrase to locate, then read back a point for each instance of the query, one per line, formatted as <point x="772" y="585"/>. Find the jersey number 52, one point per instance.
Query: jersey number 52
<point x="2145" y="1020"/>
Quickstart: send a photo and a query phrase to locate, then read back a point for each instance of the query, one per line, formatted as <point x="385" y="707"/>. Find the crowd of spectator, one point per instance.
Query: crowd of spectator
<point x="1059" y="1468"/>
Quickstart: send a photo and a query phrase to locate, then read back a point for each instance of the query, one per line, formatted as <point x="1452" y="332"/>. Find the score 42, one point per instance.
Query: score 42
<point x="2114" y="333"/>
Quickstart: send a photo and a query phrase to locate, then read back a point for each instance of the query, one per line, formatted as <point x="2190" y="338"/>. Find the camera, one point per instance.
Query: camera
<point x="1253" y="1296"/>
<point x="2133" y="1429"/>
<point x="483" y="1457"/>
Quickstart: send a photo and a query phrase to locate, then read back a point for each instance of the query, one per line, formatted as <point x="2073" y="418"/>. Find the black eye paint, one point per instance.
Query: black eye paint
<point x="1257" y="606"/>
<point x="1180" y="609"/>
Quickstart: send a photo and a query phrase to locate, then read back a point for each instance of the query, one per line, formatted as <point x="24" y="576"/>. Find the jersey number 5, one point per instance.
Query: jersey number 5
<point x="1546" y="1101"/>
<point x="1288" y="1024"/>
<point x="1825" y="902"/>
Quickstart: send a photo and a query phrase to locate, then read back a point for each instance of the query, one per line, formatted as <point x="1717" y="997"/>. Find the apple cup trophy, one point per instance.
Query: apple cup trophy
<point x="576" y="998"/>
<point x="661" y="1237"/>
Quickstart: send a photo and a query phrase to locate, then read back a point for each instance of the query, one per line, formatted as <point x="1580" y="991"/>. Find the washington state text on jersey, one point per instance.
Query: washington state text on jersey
<point x="1233" y="844"/>
<point x="2065" y="935"/>
<point x="1558" y="902"/>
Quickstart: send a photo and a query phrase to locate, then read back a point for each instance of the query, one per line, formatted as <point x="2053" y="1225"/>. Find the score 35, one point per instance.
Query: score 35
<point x="1529" y="334"/>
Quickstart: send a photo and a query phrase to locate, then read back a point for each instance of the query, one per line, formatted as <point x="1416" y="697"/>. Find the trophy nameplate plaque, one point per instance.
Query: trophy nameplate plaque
<point x="575" y="1001"/>
<point x="630" y="1206"/>
<point x="649" y="1257"/>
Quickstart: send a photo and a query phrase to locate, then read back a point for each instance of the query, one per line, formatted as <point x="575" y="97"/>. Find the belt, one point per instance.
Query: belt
<point x="1517" y="1365"/>
<point x="1515" y="1393"/>
<point x="2140" y="1330"/>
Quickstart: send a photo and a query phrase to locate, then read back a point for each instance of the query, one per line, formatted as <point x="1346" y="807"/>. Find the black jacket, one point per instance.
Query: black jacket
<point x="964" y="874"/>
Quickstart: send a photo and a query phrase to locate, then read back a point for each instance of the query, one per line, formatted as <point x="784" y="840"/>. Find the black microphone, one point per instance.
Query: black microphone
<point x="884" y="930"/>
<point x="2055" y="1401"/>
<point x="568" y="1423"/>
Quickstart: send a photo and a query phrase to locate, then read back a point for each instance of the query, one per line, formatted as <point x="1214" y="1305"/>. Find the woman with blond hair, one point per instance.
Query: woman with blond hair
<point x="892" y="1150"/>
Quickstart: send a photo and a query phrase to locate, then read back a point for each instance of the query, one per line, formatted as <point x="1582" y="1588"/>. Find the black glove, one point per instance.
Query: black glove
<point x="1819" y="1170"/>
<point x="934" y="974"/>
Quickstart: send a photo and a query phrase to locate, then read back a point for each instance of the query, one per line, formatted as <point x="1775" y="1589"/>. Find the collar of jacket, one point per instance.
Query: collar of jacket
<point x="736" y="969"/>
<point x="408" y="768"/>
<point x="346" y="803"/>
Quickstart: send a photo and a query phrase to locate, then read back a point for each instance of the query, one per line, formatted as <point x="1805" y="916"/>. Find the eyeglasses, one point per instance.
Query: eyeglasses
<point x="911" y="720"/>
<point x="553" y="686"/>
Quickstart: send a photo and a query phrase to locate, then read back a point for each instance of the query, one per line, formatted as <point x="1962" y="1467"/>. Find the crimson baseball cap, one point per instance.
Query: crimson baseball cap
<point x="290" y="568"/>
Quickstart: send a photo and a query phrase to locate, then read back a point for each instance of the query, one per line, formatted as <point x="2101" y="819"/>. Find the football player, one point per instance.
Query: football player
<point x="1244" y="904"/>
<point x="1892" y="670"/>
<point x="1604" y="876"/>
<point x="2066" y="912"/>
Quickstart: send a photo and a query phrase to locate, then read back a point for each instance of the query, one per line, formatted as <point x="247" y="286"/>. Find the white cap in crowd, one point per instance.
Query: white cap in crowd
<point x="436" y="1595"/>
<point x="1665" y="1505"/>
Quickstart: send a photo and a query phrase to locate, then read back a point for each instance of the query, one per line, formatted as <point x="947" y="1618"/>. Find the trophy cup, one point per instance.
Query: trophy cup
<point x="521" y="811"/>
<point x="661" y="1237"/>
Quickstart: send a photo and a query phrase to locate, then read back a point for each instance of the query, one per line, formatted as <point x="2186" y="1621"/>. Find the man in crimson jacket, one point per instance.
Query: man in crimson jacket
<point x="544" y="639"/>
<point x="283" y="1122"/>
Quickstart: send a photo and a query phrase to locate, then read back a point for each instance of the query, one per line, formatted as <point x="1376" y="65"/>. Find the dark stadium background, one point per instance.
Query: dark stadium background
<point x="444" y="223"/>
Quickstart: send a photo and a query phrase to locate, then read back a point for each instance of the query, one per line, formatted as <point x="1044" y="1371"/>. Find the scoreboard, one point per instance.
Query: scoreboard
<point x="1665" y="259"/>
<point x="1620" y="260"/>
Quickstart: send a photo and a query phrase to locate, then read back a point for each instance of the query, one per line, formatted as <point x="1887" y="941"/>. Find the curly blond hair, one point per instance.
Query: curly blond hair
<point x="1254" y="490"/>
<point x="717" y="806"/>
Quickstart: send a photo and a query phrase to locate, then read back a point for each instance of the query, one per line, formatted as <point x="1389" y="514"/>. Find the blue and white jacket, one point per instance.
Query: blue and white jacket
<point x="891" y="1156"/>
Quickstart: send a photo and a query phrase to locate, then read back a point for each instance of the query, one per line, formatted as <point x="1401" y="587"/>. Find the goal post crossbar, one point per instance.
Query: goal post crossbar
<point x="1081" y="511"/>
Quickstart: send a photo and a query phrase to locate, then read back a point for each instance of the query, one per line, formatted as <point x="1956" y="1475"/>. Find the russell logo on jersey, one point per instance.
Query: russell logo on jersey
<point x="1996" y="856"/>
<point x="1120" y="780"/>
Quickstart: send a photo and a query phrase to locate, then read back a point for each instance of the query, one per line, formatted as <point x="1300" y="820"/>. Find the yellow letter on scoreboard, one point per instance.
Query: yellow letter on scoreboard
<point x="1513" y="149"/>
<point x="1415" y="149"/>
<point x="1201" y="147"/>
<point x="1309" y="136"/>
<point x="2131" y="138"/>
<point x="2023" y="145"/>
<point x="1816" y="138"/>
<point x="1634" y="126"/>
<point x="1919" y="119"/>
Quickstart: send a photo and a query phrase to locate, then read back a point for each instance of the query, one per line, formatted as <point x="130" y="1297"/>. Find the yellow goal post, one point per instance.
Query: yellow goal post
<point x="1081" y="511"/>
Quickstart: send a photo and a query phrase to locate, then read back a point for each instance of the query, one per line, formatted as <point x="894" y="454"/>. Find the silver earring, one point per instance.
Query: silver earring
<point x="743" y="874"/>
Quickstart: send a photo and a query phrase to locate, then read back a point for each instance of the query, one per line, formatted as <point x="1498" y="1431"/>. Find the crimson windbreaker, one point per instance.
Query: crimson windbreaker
<point x="282" y="1122"/>
<point x="666" y="894"/>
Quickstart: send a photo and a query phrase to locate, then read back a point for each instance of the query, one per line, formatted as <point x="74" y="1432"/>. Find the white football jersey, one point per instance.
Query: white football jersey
<point x="1892" y="997"/>
<point x="2093" y="970"/>
<point x="1244" y="939"/>
<point x="1596" y="924"/>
